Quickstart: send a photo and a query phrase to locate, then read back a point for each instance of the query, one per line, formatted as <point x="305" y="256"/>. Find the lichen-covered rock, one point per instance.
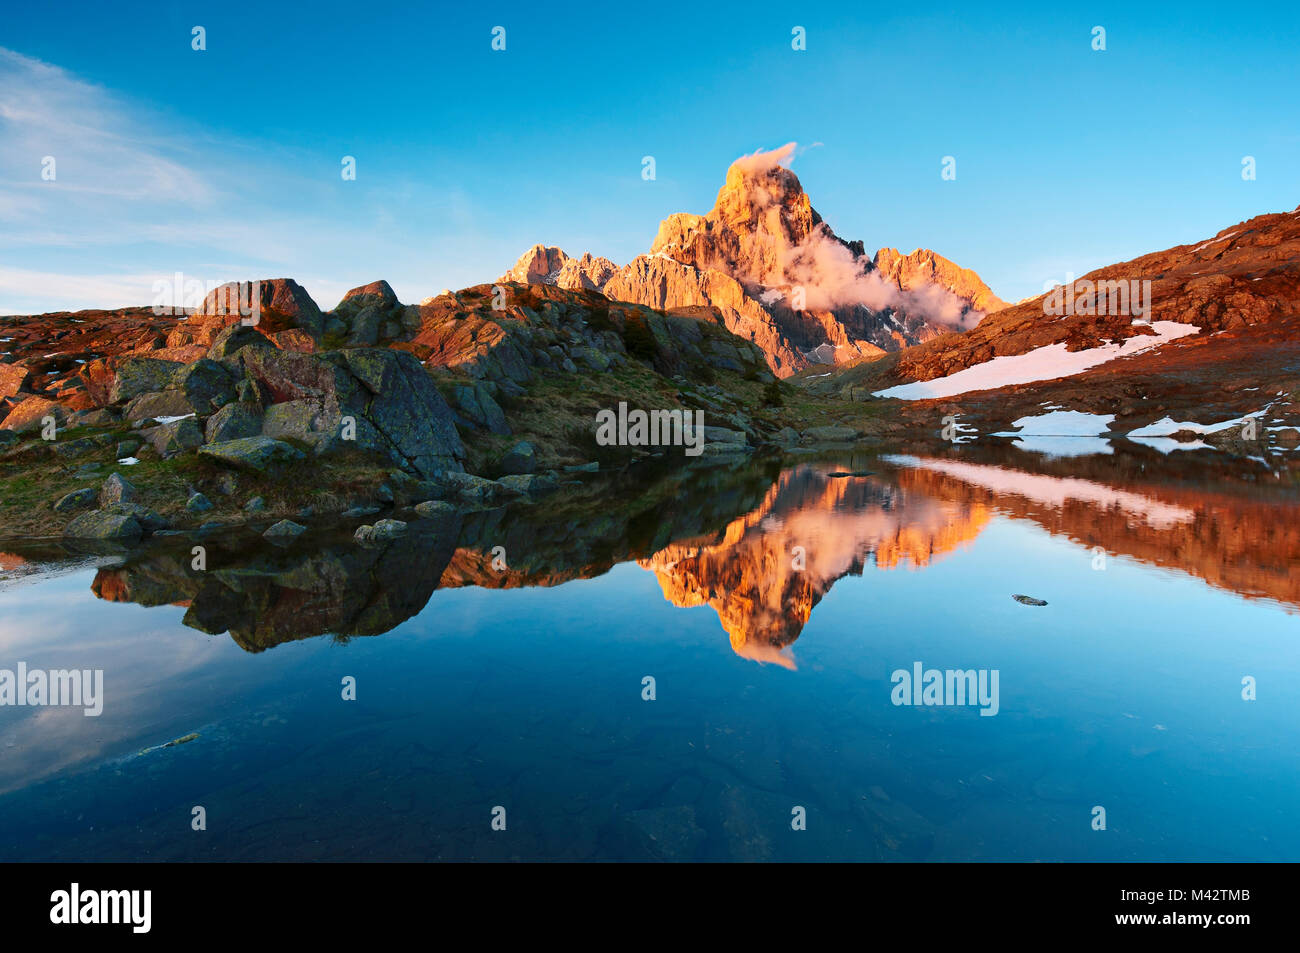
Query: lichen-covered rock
<point x="406" y="408"/>
<point x="165" y="403"/>
<point x="284" y="530"/>
<point x="207" y="385"/>
<point x="380" y="532"/>
<point x="520" y="459"/>
<point x="99" y="524"/>
<point x="476" y="404"/>
<point x="831" y="433"/>
<point x="77" y="499"/>
<point x="237" y="336"/>
<point x="533" y="484"/>
<point x="175" y="436"/>
<point x="476" y="489"/>
<point x="198" y="503"/>
<point x="253" y="453"/>
<point x="140" y="375"/>
<point x="116" y="489"/>
<point x="150" y="522"/>
<point x="433" y="509"/>
<point x="30" y="415"/>
<point x="234" y="421"/>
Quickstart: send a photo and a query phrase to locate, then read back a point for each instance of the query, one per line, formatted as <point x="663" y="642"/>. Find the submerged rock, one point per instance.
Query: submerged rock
<point x="431" y="509"/>
<point x="381" y="532"/>
<point x="284" y="530"/>
<point x="1028" y="600"/>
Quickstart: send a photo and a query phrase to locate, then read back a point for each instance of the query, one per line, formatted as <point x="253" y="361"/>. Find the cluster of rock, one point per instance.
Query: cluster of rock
<point x="493" y="343"/>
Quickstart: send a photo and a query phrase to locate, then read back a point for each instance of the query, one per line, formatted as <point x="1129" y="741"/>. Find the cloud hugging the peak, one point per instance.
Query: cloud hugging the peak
<point x="761" y="161"/>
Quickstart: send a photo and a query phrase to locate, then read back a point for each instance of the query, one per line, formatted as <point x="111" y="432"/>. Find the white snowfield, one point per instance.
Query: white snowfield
<point x="1041" y="364"/>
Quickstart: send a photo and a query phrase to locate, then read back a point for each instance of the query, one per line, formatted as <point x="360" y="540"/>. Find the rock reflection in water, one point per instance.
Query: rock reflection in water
<point x="760" y="545"/>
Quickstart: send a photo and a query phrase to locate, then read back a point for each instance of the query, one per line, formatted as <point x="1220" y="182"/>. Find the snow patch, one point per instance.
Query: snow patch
<point x="1041" y="364"/>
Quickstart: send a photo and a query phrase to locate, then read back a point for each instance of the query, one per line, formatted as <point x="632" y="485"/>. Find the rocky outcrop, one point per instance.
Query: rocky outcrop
<point x="924" y="268"/>
<point x="494" y="342"/>
<point x="548" y="265"/>
<point x="370" y="315"/>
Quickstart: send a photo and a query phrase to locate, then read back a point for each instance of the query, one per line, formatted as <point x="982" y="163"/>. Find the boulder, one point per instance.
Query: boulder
<point x="281" y="304"/>
<point x="198" y="503"/>
<point x="30" y="415"/>
<point x="235" y="337"/>
<point x="521" y="459"/>
<point x="407" y="409"/>
<point x="284" y="530"/>
<point x="234" y="421"/>
<point x="207" y="385"/>
<point x="140" y="375"/>
<point x="831" y="433"/>
<point x="476" y="404"/>
<point x="476" y="489"/>
<point x="116" y="489"/>
<point x="165" y="403"/>
<point x="432" y="509"/>
<point x="77" y="499"/>
<point x="533" y="484"/>
<point x="175" y="436"/>
<point x="259" y="454"/>
<point x="99" y="524"/>
<point x="380" y="532"/>
<point x="13" y="378"/>
<point x="149" y="521"/>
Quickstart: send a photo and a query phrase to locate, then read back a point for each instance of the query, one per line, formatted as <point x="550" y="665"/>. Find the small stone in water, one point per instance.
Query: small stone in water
<point x="1028" y="600"/>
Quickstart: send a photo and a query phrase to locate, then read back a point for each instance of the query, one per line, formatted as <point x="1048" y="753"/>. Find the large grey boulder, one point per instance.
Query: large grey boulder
<point x="373" y="400"/>
<point x="140" y="375"/>
<point x="163" y="403"/>
<point x="521" y="459"/>
<point x="175" y="436"/>
<point x="237" y="336"/>
<point x="99" y="524"/>
<point x="233" y="421"/>
<point x="207" y="385"/>
<point x="253" y="453"/>
<point x="116" y="489"/>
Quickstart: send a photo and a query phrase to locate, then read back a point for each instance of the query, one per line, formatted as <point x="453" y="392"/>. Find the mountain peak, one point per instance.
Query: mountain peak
<point x="778" y="275"/>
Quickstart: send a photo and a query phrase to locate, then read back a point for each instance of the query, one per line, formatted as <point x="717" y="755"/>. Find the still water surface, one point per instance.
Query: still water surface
<point x="769" y="602"/>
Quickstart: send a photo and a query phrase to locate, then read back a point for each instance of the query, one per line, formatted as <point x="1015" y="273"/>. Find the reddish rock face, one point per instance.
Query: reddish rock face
<point x="779" y="277"/>
<point x="1246" y="276"/>
<point x="13" y="378"/>
<point x="52" y="355"/>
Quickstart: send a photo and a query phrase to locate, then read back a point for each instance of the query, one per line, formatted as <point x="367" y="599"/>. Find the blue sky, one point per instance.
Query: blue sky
<point x="225" y="164"/>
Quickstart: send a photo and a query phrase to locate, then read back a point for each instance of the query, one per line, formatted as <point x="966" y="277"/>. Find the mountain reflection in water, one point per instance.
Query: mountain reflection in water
<point x="520" y="683"/>
<point x="761" y="546"/>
